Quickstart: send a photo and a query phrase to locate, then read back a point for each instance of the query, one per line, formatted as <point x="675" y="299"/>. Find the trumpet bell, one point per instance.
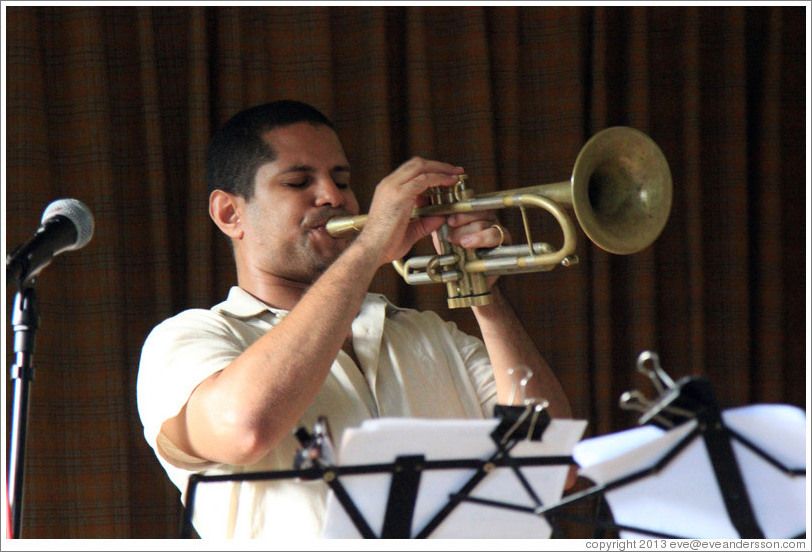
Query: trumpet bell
<point x="621" y="190"/>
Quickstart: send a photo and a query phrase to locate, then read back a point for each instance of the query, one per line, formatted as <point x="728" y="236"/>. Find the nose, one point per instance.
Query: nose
<point x="328" y="193"/>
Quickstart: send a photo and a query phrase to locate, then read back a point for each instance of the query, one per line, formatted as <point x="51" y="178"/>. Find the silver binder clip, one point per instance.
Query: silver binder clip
<point x="635" y="400"/>
<point x="526" y="422"/>
<point x="519" y="384"/>
<point x="526" y="419"/>
<point x="538" y="407"/>
<point x="317" y="447"/>
<point x="656" y="374"/>
<point x="662" y="409"/>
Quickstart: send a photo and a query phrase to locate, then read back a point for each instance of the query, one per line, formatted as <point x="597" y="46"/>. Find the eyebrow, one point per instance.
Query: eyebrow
<point x="309" y="168"/>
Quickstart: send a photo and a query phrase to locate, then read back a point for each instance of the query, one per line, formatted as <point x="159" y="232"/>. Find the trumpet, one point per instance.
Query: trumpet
<point x="620" y="191"/>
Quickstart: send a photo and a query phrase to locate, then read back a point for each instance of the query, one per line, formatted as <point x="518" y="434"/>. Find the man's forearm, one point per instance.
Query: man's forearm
<point x="510" y="346"/>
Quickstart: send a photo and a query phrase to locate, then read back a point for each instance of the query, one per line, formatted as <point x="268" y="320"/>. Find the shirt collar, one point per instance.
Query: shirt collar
<point x="241" y="304"/>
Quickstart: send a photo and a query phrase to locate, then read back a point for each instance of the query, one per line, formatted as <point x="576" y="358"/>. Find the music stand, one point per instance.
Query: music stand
<point x="695" y="471"/>
<point x="516" y="428"/>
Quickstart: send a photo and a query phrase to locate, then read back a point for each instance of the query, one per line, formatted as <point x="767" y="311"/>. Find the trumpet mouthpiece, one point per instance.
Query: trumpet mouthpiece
<point x="341" y="226"/>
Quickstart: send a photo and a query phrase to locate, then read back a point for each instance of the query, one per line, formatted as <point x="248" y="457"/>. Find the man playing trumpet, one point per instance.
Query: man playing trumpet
<point x="300" y="336"/>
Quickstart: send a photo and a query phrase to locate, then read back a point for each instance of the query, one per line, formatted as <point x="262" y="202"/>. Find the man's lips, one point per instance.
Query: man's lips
<point x="319" y="227"/>
<point x="319" y="221"/>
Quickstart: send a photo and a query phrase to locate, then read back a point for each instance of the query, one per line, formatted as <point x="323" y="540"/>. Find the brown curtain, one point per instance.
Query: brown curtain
<point x="114" y="106"/>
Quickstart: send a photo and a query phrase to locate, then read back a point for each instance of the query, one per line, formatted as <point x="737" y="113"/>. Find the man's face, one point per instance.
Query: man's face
<point x="294" y="196"/>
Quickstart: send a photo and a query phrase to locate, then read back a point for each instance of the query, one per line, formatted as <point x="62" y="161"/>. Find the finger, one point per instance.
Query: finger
<point x="418" y="165"/>
<point x="421" y="227"/>
<point x="487" y="218"/>
<point x="418" y="174"/>
<point x="423" y="182"/>
<point x="493" y="235"/>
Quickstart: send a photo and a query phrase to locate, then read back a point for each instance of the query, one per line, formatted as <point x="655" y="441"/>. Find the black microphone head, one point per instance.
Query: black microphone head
<point x="78" y="213"/>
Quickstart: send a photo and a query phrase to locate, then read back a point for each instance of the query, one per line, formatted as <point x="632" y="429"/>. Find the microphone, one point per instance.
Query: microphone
<point x="67" y="224"/>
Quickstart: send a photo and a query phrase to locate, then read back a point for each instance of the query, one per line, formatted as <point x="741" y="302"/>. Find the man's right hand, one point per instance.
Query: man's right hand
<point x="389" y="229"/>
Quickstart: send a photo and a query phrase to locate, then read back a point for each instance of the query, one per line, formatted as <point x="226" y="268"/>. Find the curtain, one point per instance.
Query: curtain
<point x="114" y="106"/>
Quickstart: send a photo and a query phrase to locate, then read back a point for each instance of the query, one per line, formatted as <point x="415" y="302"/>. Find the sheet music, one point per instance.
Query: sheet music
<point x="684" y="498"/>
<point x="382" y="440"/>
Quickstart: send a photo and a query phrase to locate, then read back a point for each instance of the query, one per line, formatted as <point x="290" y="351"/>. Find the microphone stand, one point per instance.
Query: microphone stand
<point x="67" y="224"/>
<point x="25" y="321"/>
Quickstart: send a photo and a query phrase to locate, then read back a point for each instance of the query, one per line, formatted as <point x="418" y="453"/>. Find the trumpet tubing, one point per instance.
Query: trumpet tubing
<point x="620" y="190"/>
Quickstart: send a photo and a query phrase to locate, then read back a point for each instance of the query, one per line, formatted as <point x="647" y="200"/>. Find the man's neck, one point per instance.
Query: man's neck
<point x="273" y="291"/>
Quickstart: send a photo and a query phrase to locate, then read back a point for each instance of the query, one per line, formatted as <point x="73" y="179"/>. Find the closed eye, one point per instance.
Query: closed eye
<point x="297" y="183"/>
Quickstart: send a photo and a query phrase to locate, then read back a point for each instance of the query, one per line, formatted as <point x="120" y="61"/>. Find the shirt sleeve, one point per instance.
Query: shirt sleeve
<point x="478" y="365"/>
<point x="178" y="355"/>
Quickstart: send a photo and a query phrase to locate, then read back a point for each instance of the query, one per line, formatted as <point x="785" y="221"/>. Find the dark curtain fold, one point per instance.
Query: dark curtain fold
<point x="114" y="106"/>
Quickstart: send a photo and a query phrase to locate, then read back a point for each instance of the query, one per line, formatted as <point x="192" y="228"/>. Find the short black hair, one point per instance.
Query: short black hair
<point x="237" y="150"/>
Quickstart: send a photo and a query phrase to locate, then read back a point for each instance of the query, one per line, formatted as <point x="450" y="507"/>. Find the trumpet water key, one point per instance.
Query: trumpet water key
<point x="620" y="191"/>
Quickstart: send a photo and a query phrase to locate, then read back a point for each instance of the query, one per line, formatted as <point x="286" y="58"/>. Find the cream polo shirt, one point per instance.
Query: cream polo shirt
<point x="412" y="364"/>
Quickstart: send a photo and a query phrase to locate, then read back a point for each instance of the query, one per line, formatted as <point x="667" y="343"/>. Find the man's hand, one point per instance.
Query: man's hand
<point x="475" y="230"/>
<point x="389" y="230"/>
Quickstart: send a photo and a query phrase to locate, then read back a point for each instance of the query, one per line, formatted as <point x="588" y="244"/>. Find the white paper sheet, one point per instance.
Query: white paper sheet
<point x="684" y="498"/>
<point x="383" y="440"/>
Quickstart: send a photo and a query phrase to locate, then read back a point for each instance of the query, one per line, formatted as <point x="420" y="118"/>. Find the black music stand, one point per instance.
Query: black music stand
<point x="691" y="402"/>
<point x="516" y="424"/>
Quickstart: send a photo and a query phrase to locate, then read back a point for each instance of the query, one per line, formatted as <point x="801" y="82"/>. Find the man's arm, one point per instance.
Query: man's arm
<point x="508" y="343"/>
<point x="238" y="414"/>
<point x="510" y="346"/>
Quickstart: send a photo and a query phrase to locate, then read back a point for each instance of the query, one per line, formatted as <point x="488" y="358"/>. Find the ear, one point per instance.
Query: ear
<point x="224" y="210"/>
